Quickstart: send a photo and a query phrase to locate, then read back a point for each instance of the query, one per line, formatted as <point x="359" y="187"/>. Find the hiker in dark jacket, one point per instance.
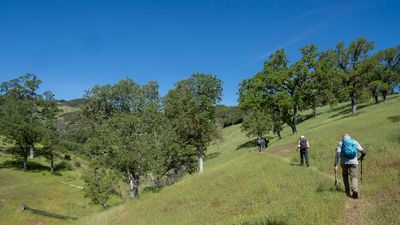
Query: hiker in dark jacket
<point x="303" y="145"/>
<point x="347" y="153"/>
<point x="266" y="142"/>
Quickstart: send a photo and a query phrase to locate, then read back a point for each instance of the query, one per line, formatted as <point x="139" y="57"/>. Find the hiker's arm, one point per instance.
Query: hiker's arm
<point x="338" y="151"/>
<point x="308" y="144"/>
<point x="362" y="150"/>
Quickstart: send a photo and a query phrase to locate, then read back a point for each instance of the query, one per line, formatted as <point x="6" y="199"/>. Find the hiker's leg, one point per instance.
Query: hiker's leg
<point x="345" y="175"/>
<point x="354" y="177"/>
<point x="306" y="156"/>
<point x="301" y="157"/>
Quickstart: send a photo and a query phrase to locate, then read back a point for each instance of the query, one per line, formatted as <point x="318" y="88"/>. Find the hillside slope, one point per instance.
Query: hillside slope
<point x="241" y="186"/>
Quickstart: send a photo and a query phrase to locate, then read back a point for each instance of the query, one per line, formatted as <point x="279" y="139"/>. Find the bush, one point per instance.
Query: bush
<point x="77" y="164"/>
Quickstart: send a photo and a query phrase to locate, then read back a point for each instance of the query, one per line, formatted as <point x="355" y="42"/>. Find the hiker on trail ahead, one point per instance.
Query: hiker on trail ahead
<point x="303" y="146"/>
<point x="347" y="152"/>
<point x="266" y="142"/>
<point x="261" y="144"/>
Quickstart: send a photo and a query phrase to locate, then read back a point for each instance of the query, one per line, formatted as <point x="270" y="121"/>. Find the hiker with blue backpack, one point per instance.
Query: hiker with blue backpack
<point x="346" y="152"/>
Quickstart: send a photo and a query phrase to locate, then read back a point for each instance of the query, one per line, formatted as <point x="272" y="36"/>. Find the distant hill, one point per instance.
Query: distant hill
<point x="228" y="115"/>
<point x="78" y="102"/>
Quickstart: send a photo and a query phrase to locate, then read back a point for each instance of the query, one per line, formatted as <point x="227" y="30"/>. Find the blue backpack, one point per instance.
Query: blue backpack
<point x="349" y="148"/>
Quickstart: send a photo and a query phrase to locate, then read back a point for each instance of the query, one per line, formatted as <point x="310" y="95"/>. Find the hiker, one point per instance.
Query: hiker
<point x="303" y="145"/>
<point x="347" y="152"/>
<point x="261" y="144"/>
<point x="266" y="142"/>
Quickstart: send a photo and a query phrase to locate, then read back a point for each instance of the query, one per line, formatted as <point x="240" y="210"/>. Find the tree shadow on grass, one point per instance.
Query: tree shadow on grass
<point x="394" y="119"/>
<point x="152" y="189"/>
<point x="17" y="164"/>
<point x="348" y="110"/>
<point x="249" y="144"/>
<point x="303" y="118"/>
<point x="34" y="167"/>
<point x="212" y="155"/>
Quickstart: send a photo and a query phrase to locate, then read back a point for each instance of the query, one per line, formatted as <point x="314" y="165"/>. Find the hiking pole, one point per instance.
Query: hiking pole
<point x="335" y="178"/>
<point x="361" y="171"/>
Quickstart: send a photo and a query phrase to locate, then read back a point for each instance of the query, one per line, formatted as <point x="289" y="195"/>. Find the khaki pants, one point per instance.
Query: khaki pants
<point x="352" y="170"/>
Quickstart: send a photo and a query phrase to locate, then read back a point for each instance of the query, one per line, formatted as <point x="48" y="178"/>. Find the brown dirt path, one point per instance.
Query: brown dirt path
<point x="355" y="211"/>
<point x="284" y="150"/>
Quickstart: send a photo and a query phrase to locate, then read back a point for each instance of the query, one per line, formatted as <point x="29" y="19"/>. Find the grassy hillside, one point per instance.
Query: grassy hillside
<point x="241" y="186"/>
<point x="39" y="189"/>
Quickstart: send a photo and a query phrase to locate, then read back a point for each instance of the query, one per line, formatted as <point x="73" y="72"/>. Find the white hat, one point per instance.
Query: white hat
<point x="346" y="136"/>
<point x="302" y="137"/>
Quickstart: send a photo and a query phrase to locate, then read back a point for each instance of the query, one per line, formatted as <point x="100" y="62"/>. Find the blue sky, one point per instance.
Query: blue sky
<point x="73" y="45"/>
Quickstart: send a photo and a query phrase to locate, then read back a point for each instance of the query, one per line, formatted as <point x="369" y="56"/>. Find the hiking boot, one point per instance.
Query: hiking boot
<point x="355" y="195"/>
<point x="308" y="165"/>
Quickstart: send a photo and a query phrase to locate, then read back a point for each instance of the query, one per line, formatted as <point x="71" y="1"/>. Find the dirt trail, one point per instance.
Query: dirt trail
<point x="284" y="150"/>
<point x="355" y="211"/>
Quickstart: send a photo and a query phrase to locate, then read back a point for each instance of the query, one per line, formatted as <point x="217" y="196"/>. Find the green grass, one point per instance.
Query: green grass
<point x="242" y="186"/>
<point x="252" y="187"/>
<point x="39" y="189"/>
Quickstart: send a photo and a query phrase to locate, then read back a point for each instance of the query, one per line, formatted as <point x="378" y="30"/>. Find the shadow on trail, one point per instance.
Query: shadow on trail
<point x="249" y="144"/>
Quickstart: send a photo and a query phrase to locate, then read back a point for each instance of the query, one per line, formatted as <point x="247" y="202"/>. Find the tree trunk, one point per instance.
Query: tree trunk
<point x="353" y="104"/>
<point x="294" y="128"/>
<point x="31" y="153"/>
<point x="294" y="119"/>
<point x="201" y="169"/>
<point x="314" y="106"/>
<point x="51" y="163"/>
<point x="133" y="184"/>
<point x="25" y="162"/>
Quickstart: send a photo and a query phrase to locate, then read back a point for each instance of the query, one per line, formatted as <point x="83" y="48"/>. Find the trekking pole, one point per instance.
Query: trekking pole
<point x="335" y="178"/>
<point x="361" y="171"/>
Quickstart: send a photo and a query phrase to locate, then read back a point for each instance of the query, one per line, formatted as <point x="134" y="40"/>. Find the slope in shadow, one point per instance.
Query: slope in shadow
<point x="248" y="144"/>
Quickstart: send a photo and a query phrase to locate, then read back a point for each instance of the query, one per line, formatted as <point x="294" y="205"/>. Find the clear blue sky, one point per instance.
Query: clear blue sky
<point x="73" y="45"/>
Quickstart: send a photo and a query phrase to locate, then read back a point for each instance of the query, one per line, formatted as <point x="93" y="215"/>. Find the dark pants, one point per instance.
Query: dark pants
<point x="304" y="156"/>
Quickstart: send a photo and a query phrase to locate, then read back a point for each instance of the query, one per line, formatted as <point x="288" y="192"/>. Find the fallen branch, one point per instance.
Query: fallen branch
<point x="49" y="214"/>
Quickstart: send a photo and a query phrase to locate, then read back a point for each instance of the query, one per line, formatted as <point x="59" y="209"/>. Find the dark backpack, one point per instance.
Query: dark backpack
<point x="349" y="148"/>
<point x="303" y="144"/>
